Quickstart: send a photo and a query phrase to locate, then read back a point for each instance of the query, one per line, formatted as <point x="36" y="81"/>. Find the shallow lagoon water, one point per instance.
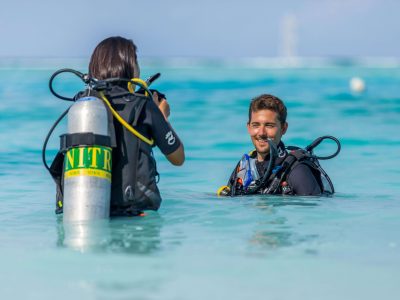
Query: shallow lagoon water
<point x="199" y="246"/>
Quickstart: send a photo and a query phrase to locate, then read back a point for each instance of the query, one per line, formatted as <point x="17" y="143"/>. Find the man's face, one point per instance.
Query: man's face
<point x="265" y="124"/>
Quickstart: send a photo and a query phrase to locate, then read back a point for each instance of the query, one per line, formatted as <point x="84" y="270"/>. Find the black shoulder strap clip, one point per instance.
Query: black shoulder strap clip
<point x="85" y="139"/>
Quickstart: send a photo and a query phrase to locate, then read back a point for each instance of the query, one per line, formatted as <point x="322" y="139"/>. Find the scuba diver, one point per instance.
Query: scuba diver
<point x="273" y="168"/>
<point x="137" y="121"/>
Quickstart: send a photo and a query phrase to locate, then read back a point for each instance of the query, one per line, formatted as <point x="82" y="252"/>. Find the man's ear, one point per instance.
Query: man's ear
<point x="284" y="128"/>
<point x="248" y="127"/>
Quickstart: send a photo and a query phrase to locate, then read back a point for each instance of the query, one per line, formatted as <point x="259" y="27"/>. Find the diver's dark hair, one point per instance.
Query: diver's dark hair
<point x="269" y="102"/>
<point x="114" y="57"/>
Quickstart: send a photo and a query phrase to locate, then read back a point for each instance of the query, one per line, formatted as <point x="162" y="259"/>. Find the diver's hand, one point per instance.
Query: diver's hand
<point x="164" y="107"/>
<point x="162" y="104"/>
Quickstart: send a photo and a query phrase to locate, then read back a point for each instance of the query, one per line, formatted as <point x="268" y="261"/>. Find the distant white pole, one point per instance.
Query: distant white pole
<point x="288" y="46"/>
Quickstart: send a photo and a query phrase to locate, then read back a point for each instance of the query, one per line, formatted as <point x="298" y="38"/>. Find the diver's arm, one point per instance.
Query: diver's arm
<point x="177" y="157"/>
<point x="162" y="104"/>
<point x="164" y="135"/>
<point x="303" y="181"/>
<point x="230" y="188"/>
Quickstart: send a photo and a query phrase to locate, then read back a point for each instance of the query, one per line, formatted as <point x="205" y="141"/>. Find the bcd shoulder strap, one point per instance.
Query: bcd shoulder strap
<point x="281" y="171"/>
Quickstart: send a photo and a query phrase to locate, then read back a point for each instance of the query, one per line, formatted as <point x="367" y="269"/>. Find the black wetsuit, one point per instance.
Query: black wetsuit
<point x="301" y="179"/>
<point x="151" y="123"/>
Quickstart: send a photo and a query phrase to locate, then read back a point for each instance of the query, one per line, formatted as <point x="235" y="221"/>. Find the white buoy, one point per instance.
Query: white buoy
<point x="357" y="85"/>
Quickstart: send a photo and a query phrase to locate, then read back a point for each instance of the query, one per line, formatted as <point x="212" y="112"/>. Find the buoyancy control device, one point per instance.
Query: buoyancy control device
<point x="246" y="180"/>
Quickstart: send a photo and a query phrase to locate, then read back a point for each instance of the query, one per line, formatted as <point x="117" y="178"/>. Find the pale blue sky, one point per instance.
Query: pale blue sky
<point x="201" y="28"/>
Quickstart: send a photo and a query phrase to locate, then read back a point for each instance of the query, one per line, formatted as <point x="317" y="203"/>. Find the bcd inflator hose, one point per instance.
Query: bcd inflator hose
<point x="318" y="141"/>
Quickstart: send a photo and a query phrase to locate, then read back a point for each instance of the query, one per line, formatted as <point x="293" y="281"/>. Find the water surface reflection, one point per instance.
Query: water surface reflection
<point x="139" y="235"/>
<point x="280" y="226"/>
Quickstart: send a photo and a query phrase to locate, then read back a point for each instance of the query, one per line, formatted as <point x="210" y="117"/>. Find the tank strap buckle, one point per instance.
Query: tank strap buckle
<point x="68" y="141"/>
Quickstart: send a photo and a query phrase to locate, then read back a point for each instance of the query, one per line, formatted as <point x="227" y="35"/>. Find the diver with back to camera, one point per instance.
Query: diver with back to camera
<point x="273" y="168"/>
<point x="135" y="123"/>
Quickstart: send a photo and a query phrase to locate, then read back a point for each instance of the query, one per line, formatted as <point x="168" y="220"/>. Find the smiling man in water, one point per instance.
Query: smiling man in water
<point x="284" y="173"/>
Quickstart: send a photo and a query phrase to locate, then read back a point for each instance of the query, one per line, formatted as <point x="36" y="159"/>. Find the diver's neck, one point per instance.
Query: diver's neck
<point x="262" y="156"/>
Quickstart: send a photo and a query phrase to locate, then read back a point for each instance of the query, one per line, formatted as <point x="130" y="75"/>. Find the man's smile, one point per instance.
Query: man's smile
<point x="261" y="140"/>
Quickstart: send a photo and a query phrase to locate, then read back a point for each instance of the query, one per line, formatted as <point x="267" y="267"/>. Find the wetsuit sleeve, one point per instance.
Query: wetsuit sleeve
<point x="303" y="181"/>
<point x="232" y="178"/>
<point x="230" y="191"/>
<point x="164" y="136"/>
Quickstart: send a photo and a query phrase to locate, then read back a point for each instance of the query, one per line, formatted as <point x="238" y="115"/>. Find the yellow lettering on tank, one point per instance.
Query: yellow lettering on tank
<point x="95" y="151"/>
<point x="107" y="160"/>
<point x="71" y="157"/>
<point x="81" y="153"/>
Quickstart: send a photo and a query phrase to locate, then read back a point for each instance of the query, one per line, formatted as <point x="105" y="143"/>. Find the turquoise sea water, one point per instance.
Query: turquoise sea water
<point x="198" y="246"/>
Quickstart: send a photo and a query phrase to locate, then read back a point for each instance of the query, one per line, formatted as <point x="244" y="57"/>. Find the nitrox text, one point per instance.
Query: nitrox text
<point x="88" y="161"/>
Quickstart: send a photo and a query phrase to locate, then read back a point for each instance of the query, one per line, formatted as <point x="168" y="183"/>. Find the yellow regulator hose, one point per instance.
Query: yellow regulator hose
<point x="121" y="120"/>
